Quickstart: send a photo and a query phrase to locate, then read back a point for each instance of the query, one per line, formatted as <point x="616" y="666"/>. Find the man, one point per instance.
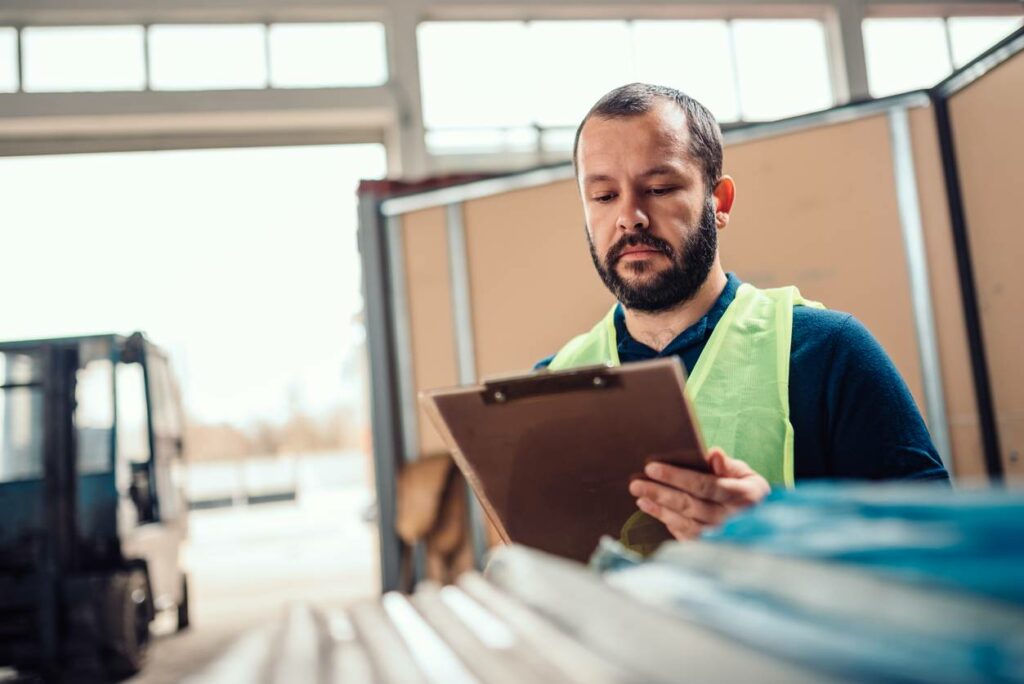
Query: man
<point x="648" y="163"/>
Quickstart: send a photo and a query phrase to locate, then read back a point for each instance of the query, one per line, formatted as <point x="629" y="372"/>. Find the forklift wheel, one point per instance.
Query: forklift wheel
<point x="127" y="623"/>
<point x="183" y="604"/>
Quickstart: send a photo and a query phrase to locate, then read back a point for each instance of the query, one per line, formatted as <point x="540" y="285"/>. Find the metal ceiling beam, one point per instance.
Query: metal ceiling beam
<point x="65" y="12"/>
<point x="50" y="123"/>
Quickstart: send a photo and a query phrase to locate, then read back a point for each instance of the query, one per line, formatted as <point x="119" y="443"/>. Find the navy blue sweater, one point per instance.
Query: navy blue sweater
<point x="852" y="414"/>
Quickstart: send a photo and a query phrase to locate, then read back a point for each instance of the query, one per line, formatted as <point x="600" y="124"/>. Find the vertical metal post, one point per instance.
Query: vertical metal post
<point x="968" y="289"/>
<point x="408" y="411"/>
<point x="465" y="346"/>
<point x="920" y="286"/>
<point x="147" y="58"/>
<point x="59" y="491"/>
<point x="949" y="44"/>
<point x="52" y="560"/>
<point x="20" y="49"/>
<point x="845" y="43"/>
<point x="402" y="340"/>
<point x="384" y="408"/>
<point x="404" y="81"/>
<point x="268" y="81"/>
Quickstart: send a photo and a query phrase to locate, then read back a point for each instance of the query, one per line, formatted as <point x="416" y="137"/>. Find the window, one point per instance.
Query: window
<point x="8" y="60"/>
<point x="19" y="369"/>
<point x="782" y="68"/>
<point x="510" y="86"/>
<point x="572" y="63"/>
<point x="939" y="46"/>
<point x="468" y="140"/>
<point x="21" y="418"/>
<point x="21" y="433"/>
<point x="892" y="67"/>
<point x="166" y="407"/>
<point x="558" y="138"/>
<point x="94" y="416"/>
<point x="132" y="414"/>
<point x="467" y="77"/>
<point x="327" y="55"/>
<point x="693" y="56"/>
<point x="83" y="58"/>
<point x="970" y="36"/>
<point x="187" y="57"/>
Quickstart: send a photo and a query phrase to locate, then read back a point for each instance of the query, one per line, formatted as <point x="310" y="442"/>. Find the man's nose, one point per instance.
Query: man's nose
<point x="632" y="216"/>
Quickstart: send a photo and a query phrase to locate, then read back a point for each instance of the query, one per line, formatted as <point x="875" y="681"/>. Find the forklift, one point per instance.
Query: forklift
<point x="92" y="511"/>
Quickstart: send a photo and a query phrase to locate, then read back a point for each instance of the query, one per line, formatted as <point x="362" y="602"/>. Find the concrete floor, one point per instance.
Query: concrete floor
<point x="247" y="564"/>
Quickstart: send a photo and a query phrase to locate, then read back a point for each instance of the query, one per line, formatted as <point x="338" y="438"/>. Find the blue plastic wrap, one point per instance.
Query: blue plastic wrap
<point x="877" y="583"/>
<point x="970" y="540"/>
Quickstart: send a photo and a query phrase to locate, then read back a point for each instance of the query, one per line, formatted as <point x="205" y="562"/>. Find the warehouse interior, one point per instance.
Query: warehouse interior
<point x="314" y="213"/>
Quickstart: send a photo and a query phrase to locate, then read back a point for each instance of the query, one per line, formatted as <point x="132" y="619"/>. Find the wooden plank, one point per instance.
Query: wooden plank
<point x="572" y="660"/>
<point x="489" y="665"/>
<point x="388" y="653"/>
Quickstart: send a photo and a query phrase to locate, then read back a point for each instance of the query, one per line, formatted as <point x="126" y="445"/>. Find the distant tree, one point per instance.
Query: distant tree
<point x="301" y="433"/>
<point x="265" y="438"/>
<point x="215" y="442"/>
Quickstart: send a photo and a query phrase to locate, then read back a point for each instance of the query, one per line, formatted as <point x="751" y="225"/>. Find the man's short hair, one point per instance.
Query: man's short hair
<point x="635" y="99"/>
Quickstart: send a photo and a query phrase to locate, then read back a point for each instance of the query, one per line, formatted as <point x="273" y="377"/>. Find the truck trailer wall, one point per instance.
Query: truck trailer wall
<point x="987" y="118"/>
<point x="815" y="207"/>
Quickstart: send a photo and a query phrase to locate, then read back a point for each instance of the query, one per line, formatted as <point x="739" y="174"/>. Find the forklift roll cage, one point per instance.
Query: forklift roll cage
<point x="83" y="521"/>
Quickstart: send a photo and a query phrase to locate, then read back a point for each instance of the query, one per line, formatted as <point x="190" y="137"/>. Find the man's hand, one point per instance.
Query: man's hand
<point x="688" y="501"/>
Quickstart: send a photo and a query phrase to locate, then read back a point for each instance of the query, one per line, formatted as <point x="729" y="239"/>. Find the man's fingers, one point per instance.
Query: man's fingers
<point x="680" y="527"/>
<point x="723" y="466"/>
<point x="701" y="485"/>
<point x="686" y="505"/>
<point x="744" y="490"/>
<point x="716" y="459"/>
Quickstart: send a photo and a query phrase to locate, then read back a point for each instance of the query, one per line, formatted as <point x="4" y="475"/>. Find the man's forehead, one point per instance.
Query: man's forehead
<point x="664" y="118"/>
<point x="659" y="136"/>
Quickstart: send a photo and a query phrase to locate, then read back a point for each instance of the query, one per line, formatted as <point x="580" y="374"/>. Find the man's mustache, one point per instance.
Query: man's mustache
<point x="637" y="240"/>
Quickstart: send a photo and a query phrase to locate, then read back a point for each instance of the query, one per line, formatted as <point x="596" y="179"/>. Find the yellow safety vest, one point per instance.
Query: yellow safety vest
<point x="740" y="385"/>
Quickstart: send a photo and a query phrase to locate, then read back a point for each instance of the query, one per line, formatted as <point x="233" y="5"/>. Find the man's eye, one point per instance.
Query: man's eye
<point x="607" y="197"/>
<point x="660" y="191"/>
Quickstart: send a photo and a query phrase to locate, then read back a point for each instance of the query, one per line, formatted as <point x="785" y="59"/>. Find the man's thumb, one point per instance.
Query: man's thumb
<point x="723" y="466"/>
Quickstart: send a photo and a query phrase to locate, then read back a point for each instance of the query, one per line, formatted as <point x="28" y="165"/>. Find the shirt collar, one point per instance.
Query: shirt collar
<point x="695" y="334"/>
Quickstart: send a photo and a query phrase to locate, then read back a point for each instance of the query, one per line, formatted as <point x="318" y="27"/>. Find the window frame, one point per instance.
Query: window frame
<point x="952" y="11"/>
<point x="630" y="19"/>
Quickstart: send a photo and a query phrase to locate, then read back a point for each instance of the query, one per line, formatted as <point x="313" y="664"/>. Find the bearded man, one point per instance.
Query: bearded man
<point x="784" y="389"/>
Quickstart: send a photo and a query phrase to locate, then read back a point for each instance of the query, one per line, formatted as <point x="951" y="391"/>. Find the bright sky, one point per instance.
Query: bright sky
<point x="242" y="263"/>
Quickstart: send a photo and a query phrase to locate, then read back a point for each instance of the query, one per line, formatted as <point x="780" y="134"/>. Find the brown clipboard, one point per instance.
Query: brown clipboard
<point x="550" y="454"/>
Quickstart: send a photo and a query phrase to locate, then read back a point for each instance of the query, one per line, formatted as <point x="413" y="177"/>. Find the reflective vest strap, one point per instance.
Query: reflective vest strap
<point x="597" y="347"/>
<point x="740" y="384"/>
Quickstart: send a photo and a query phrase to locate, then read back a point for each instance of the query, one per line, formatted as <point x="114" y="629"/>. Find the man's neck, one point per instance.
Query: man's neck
<point x="657" y="330"/>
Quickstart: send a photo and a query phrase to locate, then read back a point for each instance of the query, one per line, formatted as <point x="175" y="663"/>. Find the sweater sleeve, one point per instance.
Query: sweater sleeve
<point x="875" y="429"/>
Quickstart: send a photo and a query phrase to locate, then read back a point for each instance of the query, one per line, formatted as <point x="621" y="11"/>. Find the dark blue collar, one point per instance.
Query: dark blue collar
<point x="696" y="334"/>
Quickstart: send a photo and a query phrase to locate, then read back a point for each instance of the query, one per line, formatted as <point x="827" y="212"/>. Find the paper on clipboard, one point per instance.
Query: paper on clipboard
<point x="550" y="454"/>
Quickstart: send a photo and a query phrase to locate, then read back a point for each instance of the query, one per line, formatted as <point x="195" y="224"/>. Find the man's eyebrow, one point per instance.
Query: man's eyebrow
<point x="661" y="171"/>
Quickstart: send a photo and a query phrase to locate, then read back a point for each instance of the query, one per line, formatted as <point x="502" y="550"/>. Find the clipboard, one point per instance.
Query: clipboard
<point x="550" y="454"/>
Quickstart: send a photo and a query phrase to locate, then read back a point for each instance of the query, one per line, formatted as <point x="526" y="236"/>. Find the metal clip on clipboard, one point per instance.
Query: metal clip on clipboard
<point x="501" y="390"/>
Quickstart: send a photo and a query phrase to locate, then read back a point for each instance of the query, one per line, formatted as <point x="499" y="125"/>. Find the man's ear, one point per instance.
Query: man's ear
<point x="724" y="194"/>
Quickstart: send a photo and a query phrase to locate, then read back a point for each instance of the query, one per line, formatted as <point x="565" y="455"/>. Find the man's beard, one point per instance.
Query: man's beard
<point x="690" y="264"/>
